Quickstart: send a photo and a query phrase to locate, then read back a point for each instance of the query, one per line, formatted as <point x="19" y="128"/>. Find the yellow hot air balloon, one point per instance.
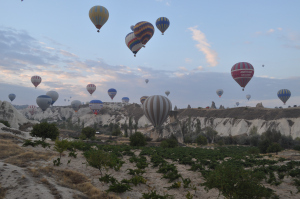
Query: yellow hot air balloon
<point x="98" y="15"/>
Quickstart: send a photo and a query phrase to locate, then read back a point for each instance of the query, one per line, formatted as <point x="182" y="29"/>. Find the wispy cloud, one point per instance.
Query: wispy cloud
<point x="188" y="60"/>
<point x="167" y="2"/>
<point x="203" y="46"/>
<point x="268" y="32"/>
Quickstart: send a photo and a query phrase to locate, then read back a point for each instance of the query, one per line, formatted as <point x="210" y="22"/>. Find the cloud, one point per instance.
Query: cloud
<point x="204" y="46"/>
<point x="68" y="54"/>
<point x="188" y="60"/>
<point x="183" y="68"/>
<point x="270" y="31"/>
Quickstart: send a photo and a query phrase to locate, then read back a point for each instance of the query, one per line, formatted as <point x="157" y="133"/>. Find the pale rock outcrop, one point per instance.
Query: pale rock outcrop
<point x="259" y="105"/>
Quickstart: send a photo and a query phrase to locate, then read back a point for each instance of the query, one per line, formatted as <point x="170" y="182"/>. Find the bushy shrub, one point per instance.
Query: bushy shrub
<point x="169" y="143"/>
<point x="89" y="132"/>
<point x="187" y="139"/>
<point x="5" y="123"/>
<point x="201" y="140"/>
<point x="137" y="139"/>
<point x="274" y="148"/>
<point x="45" y="130"/>
<point x="263" y="145"/>
<point x="61" y="146"/>
<point x="116" y="132"/>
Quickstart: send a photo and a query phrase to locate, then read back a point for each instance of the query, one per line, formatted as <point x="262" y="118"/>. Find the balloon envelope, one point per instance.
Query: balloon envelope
<point x="142" y="99"/>
<point x="284" y="95"/>
<point x="96" y="106"/>
<point x="242" y="73"/>
<point x="112" y="93"/>
<point x="98" y="15"/>
<point x="146" y="80"/>
<point x="156" y="109"/>
<point x="54" y="96"/>
<point x="132" y="27"/>
<point x="36" y="80"/>
<point x="125" y="99"/>
<point x="219" y="92"/>
<point x="248" y="96"/>
<point x="237" y="103"/>
<point x="167" y="93"/>
<point x="43" y="101"/>
<point x="133" y="43"/>
<point x="76" y="105"/>
<point x="162" y="23"/>
<point x="11" y="97"/>
<point x="31" y="109"/>
<point x="144" y="31"/>
<point x="91" y="88"/>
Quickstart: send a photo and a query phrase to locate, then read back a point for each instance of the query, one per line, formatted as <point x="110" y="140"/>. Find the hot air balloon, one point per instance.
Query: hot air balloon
<point x="156" y="109"/>
<point x="143" y="31"/>
<point x="219" y="92"/>
<point x="284" y="95"/>
<point x="125" y="99"/>
<point x="36" y="80"/>
<point x="91" y="88"/>
<point x="133" y="43"/>
<point x="142" y="99"/>
<point x="112" y="93"/>
<point x="167" y="93"/>
<point x="43" y="101"/>
<point x="31" y="109"/>
<point x="237" y="103"/>
<point x="248" y="97"/>
<point x="65" y="100"/>
<point x="242" y="73"/>
<point x="98" y="15"/>
<point x="11" y="97"/>
<point x="162" y="23"/>
<point x="75" y="104"/>
<point x="54" y="96"/>
<point x="146" y="80"/>
<point x="132" y="27"/>
<point x="96" y="106"/>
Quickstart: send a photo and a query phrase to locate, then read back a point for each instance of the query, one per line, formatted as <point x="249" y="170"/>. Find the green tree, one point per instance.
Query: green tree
<point x="263" y="145"/>
<point x="130" y="124"/>
<point x="61" y="146"/>
<point x="272" y="135"/>
<point x="100" y="159"/>
<point x="88" y="132"/>
<point x="235" y="182"/>
<point x="45" y="130"/>
<point x="125" y="127"/>
<point x="211" y="133"/>
<point x="135" y="127"/>
<point x="116" y="132"/>
<point x="169" y="143"/>
<point x="274" y="148"/>
<point x="137" y="139"/>
<point x="198" y="127"/>
<point x="253" y="131"/>
<point x="201" y="140"/>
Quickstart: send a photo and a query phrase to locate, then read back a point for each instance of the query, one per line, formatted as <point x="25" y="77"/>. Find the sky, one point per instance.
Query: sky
<point x="56" y="40"/>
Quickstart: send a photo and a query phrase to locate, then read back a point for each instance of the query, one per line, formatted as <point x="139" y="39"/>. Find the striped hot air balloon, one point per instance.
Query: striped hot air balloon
<point x="98" y="15"/>
<point x="11" y="97"/>
<point x="96" y="106"/>
<point x="125" y="99"/>
<point x="75" y="104"/>
<point x="284" y="95"/>
<point x="31" y="109"/>
<point x="156" y="109"/>
<point x="112" y="93"/>
<point x="242" y="73"/>
<point x="144" y="31"/>
<point x="36" y="80"/>
<point x="162" y="23"/>
<point x="91" y="88"/>
<point x="142" y="99"/>
<point x="133" y="43"/>
<point x="219" y="92"/>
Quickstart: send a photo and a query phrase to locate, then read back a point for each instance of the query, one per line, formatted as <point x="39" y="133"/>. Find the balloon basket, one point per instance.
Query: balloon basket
<point x="98" y="30"/>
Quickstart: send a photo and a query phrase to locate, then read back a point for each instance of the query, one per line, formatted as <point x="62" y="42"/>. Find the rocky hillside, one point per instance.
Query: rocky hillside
<point x="234" y="121"/>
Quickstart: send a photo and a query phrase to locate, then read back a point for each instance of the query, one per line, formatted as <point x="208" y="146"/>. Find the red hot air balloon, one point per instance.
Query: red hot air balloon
<point x="242" y="73"/>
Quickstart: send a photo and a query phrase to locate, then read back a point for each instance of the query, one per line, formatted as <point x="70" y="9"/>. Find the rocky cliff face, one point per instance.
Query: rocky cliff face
<point x="12" y="115"/>
<point x="234" y="121"/>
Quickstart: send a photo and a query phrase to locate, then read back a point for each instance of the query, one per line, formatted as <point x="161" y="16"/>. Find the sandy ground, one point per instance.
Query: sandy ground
<point x="21" y="183"/>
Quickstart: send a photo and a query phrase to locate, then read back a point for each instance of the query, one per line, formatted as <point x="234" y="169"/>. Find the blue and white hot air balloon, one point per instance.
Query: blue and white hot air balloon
<point x="11" y="97"/>
<point x="284" y="95"/>
<point x="248" y="97"/>
<point x="96" y="106"/>
<point x="112" y="93"/>
<point x="44" y="101"/>
<point x="125" y="99"/>
<point x="54" y="96"/>
<point x="219" y="92"/>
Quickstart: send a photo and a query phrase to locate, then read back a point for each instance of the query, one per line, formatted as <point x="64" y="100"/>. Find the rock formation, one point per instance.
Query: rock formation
<point x="175" y="108"/>
<point x="213" y="105"/>
<point x="259" y="105"/>
<point x="222" y="107"/>
<point x="189" y="106"/>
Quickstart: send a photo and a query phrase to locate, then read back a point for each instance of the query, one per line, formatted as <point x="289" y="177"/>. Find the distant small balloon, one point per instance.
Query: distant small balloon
<point x="112" y="93"/>
<point x="237" y="103"/>
<point x="125" y="99"/>
<point x="132" y="27"/>
<point x="11" y="97"/>
<point x="167" y="93"/>
<point x="75" y="104"/>
<point x="31" y="109"/>
<point x="146" y="80"/>
<point x="284" y="95"/>
<point x="219" y="92"/>
<point x="36" y="80"/>
<point x="96" y="106"/>
<point x="248" y="97"/>
<point x="44" y="101"/>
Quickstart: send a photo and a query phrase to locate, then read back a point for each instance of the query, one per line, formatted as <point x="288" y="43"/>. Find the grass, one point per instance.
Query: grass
<point x="2" y="192"/>
<point x="9" y="148"/>
<point x="24" y="159"/>
<point x="73" y="180"/>
<point x="51" y="187"/>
